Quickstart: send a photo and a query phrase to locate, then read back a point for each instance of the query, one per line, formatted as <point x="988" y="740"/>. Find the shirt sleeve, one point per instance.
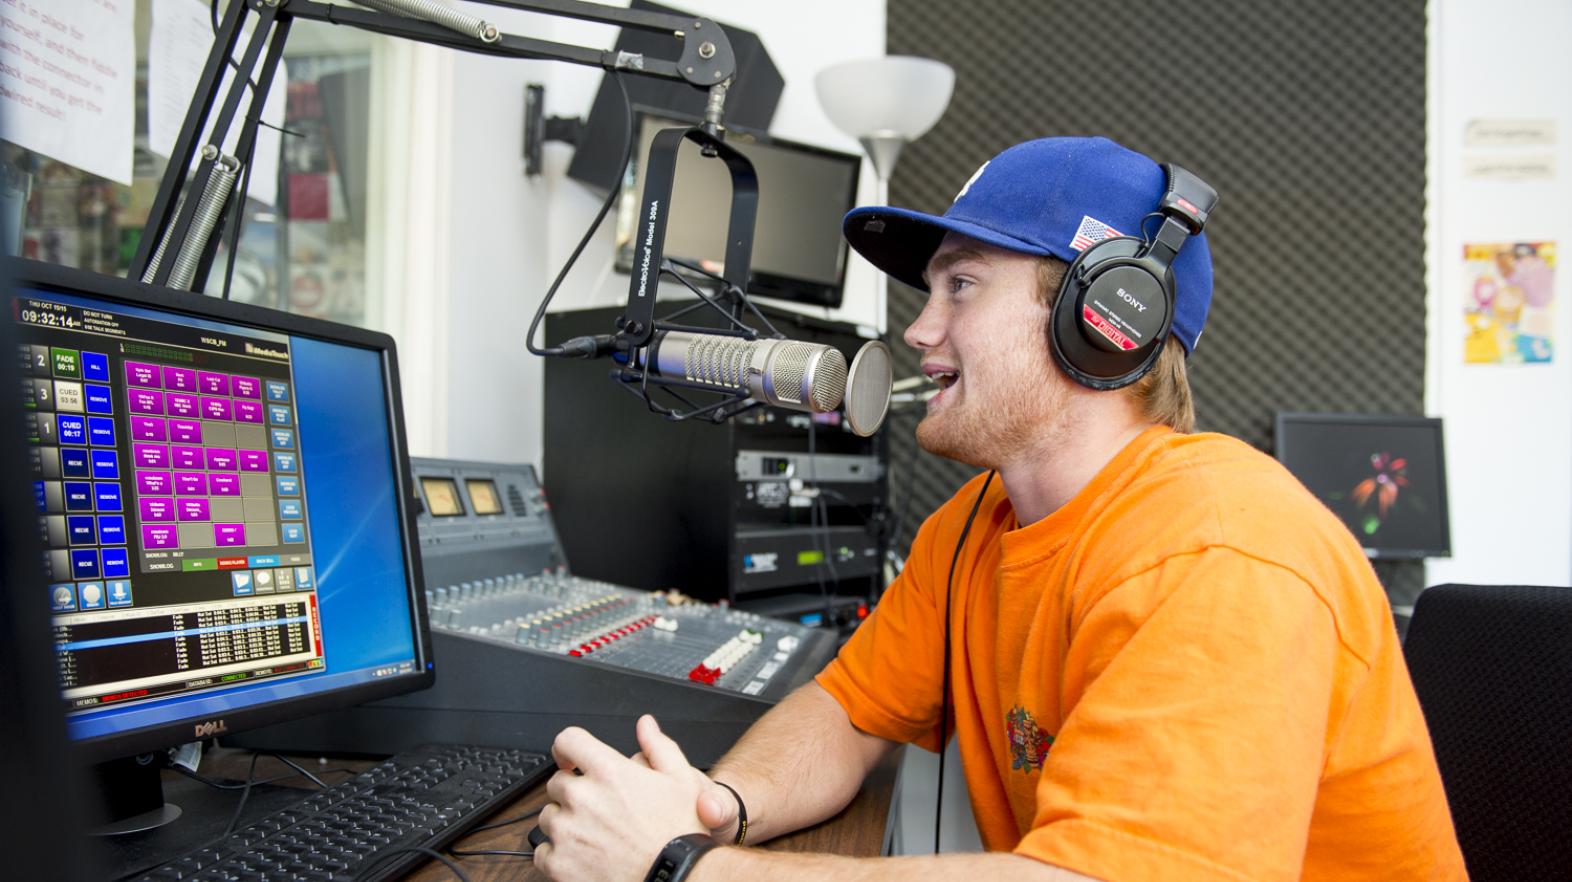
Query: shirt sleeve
<point x="888" y="676"/>
<point x="1200" y="693"/>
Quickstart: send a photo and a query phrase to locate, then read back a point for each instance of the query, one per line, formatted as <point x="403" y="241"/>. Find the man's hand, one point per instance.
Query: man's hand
<point x="716" y="807"/>
<point x="609" y="815"/>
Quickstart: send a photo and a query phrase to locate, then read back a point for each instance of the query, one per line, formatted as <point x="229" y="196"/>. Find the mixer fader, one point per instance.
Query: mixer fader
<point x="655" y="633"/>
<point x="524" y="648"/>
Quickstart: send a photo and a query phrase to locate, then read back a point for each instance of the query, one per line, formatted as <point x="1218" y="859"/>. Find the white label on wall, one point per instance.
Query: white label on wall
<point x="1510" y="168"/>
<point x="68" y="81"/>
<point x="1509" y="133"/>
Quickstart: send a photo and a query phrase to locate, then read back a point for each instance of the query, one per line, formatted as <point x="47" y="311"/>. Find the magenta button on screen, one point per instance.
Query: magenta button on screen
<point x="215" y="408"/>
<point x="213" y="384"/>
<point x="248" y="412"/>
<point x="138" y="374"/>
<point x="180" y="404"/>
<point x="193" y="509"/>
<point x="190" y="483"/>
<point x="185" y="431"/>
<point x="220" y="459"/>
<point x="180" y="379"/>
<point x="155" y="508"/>
<point x="187" y="457"/>
<point x="223" y="485"/>
<point x="245" y="387"/>
<point x="229" y="535"/>
<point x="150" y="456"/>
<point x="153" y="483"/>
<point x="157" y="536"/>
<point x="146" y="401"/>
<point x="253" y="460"/>
<point x="148" y="429"/>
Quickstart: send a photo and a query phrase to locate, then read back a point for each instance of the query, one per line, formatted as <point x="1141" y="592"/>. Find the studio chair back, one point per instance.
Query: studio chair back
<point x="1492" y="665"/>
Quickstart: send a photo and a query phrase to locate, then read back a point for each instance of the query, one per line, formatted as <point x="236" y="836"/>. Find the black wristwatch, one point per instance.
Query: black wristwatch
<point x="678" y="857"/>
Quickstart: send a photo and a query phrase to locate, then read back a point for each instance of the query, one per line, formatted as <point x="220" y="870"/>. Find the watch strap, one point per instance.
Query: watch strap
<point x="676" y="860"/>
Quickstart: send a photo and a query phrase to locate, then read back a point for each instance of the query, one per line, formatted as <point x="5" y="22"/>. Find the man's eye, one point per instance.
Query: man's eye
<point x="959" y="283"/>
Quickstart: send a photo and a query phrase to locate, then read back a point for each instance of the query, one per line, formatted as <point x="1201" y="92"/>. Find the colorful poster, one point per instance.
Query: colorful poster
<point x="1508" y="304"/>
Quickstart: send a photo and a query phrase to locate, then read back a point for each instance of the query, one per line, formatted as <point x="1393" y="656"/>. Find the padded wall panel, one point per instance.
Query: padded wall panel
<point x="1308" y="118"/>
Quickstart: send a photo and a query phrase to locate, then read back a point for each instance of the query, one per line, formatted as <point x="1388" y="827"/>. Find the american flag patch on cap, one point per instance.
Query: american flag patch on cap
<point x="1091" y="232"/>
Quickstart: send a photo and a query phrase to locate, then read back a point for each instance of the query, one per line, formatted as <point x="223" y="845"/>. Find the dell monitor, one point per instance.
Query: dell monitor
<point x="798" y="251"/>
<point x="224" y="497"/>
<point x="1383" y="476"/>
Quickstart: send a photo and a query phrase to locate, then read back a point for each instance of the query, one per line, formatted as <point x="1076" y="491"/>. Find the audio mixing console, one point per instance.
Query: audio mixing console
<point x="523" y="648"/>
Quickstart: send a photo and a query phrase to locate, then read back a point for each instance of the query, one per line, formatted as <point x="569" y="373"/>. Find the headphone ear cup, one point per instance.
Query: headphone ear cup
<point x="1111" y="316"/>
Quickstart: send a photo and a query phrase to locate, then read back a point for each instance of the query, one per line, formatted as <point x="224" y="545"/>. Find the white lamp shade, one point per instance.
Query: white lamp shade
<point x="895" y="96"/>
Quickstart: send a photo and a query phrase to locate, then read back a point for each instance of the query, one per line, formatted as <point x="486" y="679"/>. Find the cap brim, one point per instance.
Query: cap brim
<point x="900" y="242"/>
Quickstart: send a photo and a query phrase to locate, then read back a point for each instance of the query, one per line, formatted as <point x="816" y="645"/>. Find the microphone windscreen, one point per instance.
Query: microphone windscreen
<point x="868" y="388"/>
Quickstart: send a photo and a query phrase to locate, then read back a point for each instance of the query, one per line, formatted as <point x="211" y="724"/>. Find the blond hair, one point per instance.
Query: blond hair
<point x="1164" y="393"/>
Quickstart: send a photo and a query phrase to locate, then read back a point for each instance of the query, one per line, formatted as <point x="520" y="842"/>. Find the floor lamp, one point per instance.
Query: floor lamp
<point x="885" y="103"/>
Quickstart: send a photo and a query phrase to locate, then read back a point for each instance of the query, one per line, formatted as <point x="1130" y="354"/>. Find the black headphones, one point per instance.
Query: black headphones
<point x="1116" y="304"/>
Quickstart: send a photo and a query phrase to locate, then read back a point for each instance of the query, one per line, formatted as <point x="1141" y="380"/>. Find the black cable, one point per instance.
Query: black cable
<point x="299" y="768"/>
<point x="420" y="849"/>
<point x="245" y="794"/>
<point x="220" y="785"/>
<point x="454" y="850"/>
<point x="944" y="712"/>
<point x="489" y="852"/>
<point x="605" y="208"/>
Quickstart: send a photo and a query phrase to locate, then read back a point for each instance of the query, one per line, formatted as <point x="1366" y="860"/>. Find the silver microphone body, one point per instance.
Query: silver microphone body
<point x="808" y="377"/>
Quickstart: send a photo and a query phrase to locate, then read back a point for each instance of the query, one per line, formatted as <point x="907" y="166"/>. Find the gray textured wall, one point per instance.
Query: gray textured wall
<point x="1308" y="119"/>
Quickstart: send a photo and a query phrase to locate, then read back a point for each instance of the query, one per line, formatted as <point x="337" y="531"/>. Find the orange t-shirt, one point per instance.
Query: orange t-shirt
<point x="1187" y="672"/>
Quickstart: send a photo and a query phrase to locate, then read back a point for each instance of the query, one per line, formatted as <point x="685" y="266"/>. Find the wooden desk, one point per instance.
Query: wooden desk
<point x="861" y="830"/>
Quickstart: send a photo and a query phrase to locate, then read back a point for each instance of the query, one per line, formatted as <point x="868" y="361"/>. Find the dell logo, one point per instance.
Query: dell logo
<point x="1127" y="298"/>
<point x="211" y="728"/>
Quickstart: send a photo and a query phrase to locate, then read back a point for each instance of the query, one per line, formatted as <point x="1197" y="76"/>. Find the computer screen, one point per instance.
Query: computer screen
<point x="1384" y="476"/>
<point x="222" y="491"/>
<point x="798" y="251"/>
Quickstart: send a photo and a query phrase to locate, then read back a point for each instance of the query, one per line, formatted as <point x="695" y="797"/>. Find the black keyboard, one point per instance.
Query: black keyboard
<point x="426" y="796"/>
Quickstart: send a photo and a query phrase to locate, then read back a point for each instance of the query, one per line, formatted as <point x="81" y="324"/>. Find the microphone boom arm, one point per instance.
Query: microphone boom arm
<point x="706" y="62"/>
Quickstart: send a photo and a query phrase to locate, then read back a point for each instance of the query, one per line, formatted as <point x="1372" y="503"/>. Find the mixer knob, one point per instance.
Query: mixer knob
<point x="787" y="643"/>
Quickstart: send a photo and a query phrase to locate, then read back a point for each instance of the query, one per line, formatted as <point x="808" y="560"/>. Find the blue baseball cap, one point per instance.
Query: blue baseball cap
<point x="1048" y="197"/>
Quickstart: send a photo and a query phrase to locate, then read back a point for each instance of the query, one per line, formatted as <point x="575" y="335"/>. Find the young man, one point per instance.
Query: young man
<point x="1166" y="659"/>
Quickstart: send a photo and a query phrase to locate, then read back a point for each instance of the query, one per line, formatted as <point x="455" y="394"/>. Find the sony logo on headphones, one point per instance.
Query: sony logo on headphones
<point x="1127" y="298"/>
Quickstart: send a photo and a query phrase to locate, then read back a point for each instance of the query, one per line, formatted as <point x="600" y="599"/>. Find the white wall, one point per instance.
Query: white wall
<point x="509" y="235"/>
<point x="1508" y="428"/>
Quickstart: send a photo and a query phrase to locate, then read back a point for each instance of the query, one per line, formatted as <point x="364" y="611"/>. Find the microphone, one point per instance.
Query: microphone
<point x="791" y="374"/>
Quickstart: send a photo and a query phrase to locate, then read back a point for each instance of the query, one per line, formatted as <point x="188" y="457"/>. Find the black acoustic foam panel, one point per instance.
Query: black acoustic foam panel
<point x="1308" y="118"/>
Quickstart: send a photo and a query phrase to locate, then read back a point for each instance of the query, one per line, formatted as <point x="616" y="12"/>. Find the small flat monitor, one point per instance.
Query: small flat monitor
<point x="1384" y="476"/>
<point x="483" y="496"/>
<point x="798" y="251"/>
<point x="442" y="497"/>
<point x="224" y="495"/>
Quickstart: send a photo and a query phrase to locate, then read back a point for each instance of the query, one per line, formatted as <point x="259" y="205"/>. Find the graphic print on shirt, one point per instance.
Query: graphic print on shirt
<point x="1028" y="743"/>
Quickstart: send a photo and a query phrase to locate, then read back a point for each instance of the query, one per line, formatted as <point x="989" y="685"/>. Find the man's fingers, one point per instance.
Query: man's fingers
<point x="717" y="808"/>
<point x="640" y="760"/>
<point x="662" y="753"/>
<point x="559" y="787"/>
<point x="542" y="859"/>
<point x="574" y="748"/>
